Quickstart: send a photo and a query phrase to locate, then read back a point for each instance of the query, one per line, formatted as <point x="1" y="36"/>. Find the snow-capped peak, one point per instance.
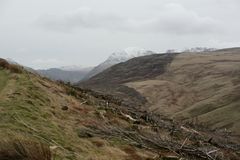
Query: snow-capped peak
<point x="118" y="57"/>
<point x="128" y="53"/>
<point x="135" y="51"/>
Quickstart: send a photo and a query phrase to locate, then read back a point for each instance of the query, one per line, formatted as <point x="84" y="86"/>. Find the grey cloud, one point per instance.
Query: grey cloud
<point x="43" y="34"/>
<point x="2" y="4"/>
<point x="2" y="1"/>
<point x="176" y="19"/>
<point x="171" y="18"/>
<point x="83" y="17"/>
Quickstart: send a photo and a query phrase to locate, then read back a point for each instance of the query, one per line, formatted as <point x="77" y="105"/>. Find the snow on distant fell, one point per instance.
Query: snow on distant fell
<point x="124" y="55"/>
<point x="128" y="53"/>
<point x="118" y="57"/>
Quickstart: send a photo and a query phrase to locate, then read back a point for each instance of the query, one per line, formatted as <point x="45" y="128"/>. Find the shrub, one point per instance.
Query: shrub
<point x="72" y="92"/>
<point x="98" y="142"/>
<point x="12" y="67"/>
<point x="84" y="132"/>
<point x="4" y="63"/>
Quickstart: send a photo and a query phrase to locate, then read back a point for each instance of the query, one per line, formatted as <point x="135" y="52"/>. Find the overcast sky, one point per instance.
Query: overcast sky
<point x="53" y="33"/>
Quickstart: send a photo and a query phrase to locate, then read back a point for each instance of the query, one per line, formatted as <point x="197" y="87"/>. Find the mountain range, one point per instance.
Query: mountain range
<point x="184" y="86"/>
<point x="75" y="73"/>
<point x="72" y="74"/>
<point x="118" y="57"/>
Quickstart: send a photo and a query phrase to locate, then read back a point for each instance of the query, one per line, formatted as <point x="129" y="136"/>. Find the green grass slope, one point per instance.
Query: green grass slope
<point x="38" y="116"/>
<point x="33" y="108"/>
<point x="3" y="79"/>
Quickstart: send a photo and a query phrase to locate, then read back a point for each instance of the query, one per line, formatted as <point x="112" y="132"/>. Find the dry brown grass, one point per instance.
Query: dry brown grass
<point x="98" y="142"/>
<point x="24" y="150"/>
<point x="197" y="85"/>
<point x="132" y="153"/>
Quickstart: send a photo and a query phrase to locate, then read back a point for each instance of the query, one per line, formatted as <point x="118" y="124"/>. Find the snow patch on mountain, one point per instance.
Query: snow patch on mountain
<point x="118" y="57"/>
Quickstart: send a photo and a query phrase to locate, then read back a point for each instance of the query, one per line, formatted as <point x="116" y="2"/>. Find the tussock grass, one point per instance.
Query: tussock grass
<point x="3" y="79"/>
<point x="26" y="110"/>
<point x="20" y="149"/>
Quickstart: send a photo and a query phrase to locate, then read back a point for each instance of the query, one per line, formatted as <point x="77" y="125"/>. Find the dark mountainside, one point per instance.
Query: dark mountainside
<point x="64" y="75"/>
<point x="43" y="120"/>
<point x="111" y="80"/>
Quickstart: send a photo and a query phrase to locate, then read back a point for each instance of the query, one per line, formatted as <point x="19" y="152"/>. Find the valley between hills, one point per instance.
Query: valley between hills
<point x="202" y="87"/>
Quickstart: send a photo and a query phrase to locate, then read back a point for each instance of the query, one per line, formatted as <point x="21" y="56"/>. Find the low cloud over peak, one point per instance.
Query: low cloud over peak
<point x="45" y="33"/>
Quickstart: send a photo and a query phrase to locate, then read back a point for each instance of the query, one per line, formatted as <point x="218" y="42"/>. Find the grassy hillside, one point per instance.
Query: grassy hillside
<point x="202" y="87"/>
<point x="198" y="86"/>
<point x="33" y="108"/>
<point x="41" y="118"/>
<point x="3" y="79"/>
<point x="112" y="80"/>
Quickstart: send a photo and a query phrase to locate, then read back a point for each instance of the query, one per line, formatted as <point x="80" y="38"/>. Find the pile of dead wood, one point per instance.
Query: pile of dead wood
<point x="155" y="143"/>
